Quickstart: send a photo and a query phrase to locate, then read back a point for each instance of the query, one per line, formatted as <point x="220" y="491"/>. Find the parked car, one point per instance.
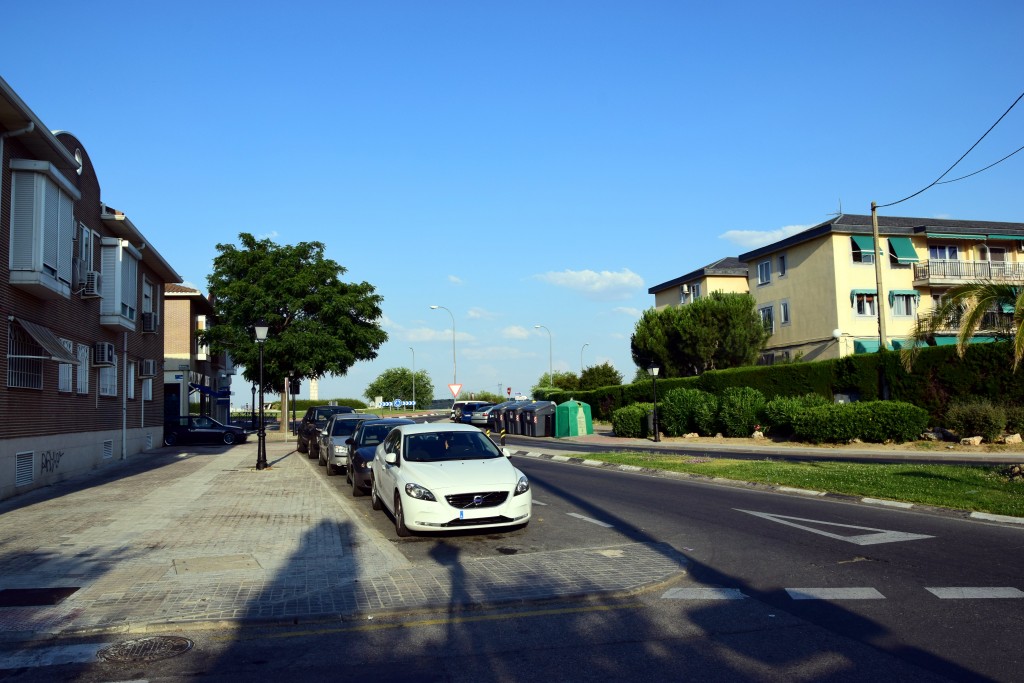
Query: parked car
<point x="480" y="416"/>
<point x="361" y="447"/>
<point x="461" y="410"/>
<point x="433" y="477"/>
<point x="201" y="429"/>
<point x="332" y="451"/>
<point x="313" y="422"/>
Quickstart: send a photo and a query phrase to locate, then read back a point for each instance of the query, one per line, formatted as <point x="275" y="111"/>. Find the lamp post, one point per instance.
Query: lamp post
<point x="260" y="329"/>
<point x="551" y="373"/>
<point x="454" y="381"/>
<point x="413" y="377"/>
<point x="652" y="370"/>
<point x="253" y="405"/>
<point x="581" y="364"/>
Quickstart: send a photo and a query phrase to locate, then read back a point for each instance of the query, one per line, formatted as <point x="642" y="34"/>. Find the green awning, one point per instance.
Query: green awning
<point x="1006" y="237"/>
<point x="865" y="346"/>
<point x="864" y="243"/>
<point x="902" y="249"/>
<point x="951" y="341"/>
<point x="1008" y="308"/>
<point x="955" y="236"/>
<point x="903" y="292"/>
<point x="855" y="292"/>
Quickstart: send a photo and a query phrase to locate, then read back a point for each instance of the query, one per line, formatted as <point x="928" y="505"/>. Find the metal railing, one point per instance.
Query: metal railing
<point x="968" y="271"/>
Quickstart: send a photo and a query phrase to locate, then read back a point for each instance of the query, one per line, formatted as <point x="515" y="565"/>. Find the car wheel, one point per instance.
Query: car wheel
<point x="400" y="528"/>
<point x="301" y="447"/>
<point x="170" y="439"/>
<point x="357" y="491"/>
<point x="309" y="452"/>
<point x="330" y="470"/>
<point x="229" y="438"/>
<point x="375" y="501"/>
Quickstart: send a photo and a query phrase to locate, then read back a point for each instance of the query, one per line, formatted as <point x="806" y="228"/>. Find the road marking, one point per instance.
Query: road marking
<point x="972" y="593"/>
<point x="875" y="537"/>
<point x="703" y="594"/>
<point x="52" y="656"/>
<point x="588" y="519"/>
<point x="834" y="594"/>
<point x="537" y="502"/>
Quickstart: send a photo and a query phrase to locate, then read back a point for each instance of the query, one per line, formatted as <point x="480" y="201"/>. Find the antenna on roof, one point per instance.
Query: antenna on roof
<point x="840" y="212"/>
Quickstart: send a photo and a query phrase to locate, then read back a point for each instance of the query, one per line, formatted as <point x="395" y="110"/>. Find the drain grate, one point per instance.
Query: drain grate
<point x="34" y="597"/>
<point x="146" y="649"/>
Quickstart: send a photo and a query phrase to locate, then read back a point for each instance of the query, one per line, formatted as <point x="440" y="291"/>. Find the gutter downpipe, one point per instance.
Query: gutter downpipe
<point x="124" y="401"/>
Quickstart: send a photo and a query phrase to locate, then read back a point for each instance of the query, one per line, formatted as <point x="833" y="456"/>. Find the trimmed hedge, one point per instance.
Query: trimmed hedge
<point x="739" y="410"/>
<point x="631" y="422"/>
<point x="874" y="421"/>
<point x="780" y="412"/>
<point x="688" y="410"/>
<point x="976" y="417"/>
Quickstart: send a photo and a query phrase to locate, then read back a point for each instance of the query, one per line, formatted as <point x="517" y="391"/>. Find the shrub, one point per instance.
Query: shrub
<point x="881" y="421"/>
<point x="831" y="423"/>
<point x="739" y="410"/>
<point x="780" y="412"/>
<point x="688" y="410"/>
<point x="976" y="417"/>
<point x="1014" y="419"/>
<point x="631" y="421"/>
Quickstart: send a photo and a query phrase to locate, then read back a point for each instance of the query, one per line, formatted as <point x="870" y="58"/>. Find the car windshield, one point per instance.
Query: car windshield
<point x="373" y="434"/>
<point x="344" y="427"/>
<point x="321" y="416"/>
<point x="440" y="446"/>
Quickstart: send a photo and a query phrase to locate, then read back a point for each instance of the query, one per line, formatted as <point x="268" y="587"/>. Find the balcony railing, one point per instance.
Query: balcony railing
<point x="948" y="272"/>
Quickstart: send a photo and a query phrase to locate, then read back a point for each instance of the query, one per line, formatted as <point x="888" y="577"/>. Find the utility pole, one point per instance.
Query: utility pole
<point x="880" y="295"/>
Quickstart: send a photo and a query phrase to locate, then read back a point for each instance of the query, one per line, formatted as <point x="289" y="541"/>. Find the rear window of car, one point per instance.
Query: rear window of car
<point x="344" y="427"/>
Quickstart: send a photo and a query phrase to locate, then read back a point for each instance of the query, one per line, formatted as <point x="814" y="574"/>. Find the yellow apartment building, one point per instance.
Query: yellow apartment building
<point x="724" y="275"/>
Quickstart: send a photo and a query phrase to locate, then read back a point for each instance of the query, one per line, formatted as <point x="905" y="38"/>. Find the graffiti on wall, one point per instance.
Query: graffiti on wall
<point x="50" y="460"/>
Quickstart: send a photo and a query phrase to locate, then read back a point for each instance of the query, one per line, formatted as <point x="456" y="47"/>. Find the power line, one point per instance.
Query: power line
<point x="937" y="180"/>
<point x="946" y="182"/>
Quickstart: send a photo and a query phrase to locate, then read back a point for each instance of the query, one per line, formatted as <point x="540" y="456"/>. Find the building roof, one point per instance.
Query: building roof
<point x="728" y="266"/>
<point x="854" y="224"/>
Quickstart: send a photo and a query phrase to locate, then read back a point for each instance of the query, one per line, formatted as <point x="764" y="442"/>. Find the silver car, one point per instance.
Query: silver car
<point x="333" y="451"/>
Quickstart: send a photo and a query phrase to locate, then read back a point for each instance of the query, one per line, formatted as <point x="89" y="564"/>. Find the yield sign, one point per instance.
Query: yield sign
<point x="876" y="536"/>
<point x="455" y="389"/>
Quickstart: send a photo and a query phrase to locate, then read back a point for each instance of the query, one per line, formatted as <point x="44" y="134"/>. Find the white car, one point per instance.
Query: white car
<point x="434" y="477"/>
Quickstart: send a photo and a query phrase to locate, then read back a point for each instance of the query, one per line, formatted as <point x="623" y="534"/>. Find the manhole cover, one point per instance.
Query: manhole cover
<point x="146" y="649"/>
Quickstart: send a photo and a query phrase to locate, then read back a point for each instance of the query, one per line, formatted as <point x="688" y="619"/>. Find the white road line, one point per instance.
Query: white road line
<point x="834" y="594"/>
<point x="877" y="535"/>
<point x="537" y="502"/>
<point x="588" y="519"/>
<point x="52" y="656"/>
<point x="703" y="594"/>
<point x="972" y="593"/>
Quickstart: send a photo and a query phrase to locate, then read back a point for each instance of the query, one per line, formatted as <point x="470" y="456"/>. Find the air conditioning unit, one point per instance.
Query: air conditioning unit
<point x="149" y="322"/>
<point x="686" y="289"/>
<point x="148" y="368"/>
<point x="93" y="282"/>
<point x="103" y="354"/>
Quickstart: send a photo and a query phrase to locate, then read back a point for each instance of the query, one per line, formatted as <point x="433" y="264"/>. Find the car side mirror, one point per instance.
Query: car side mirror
<point x="391" y="458"/>
<point x="507" y="453"/>
<point x="349" y="441"/>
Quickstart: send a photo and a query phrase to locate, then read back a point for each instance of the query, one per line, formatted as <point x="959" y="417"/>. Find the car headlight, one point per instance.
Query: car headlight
<point x="339" y="450"/>
<point x="523" y="485"/>
<point x="418" y="492"/>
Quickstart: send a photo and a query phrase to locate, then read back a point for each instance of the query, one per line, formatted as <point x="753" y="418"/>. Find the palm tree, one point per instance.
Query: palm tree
<point x="965" y="307"/>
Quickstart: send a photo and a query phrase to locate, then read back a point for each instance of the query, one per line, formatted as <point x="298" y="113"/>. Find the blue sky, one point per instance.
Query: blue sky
<point x="521" y="163"/>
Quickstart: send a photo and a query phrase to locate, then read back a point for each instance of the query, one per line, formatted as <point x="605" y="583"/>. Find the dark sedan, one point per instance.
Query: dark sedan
<point x="312" y="424"/>
<point x="361" y="447"/>
<point x="201" y="429"/>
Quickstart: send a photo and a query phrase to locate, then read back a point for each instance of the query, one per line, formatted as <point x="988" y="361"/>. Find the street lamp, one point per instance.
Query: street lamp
<point x="413" y="377"/>
<point x="261" y="329"/>
<point x="652" y="370"/>
<point x="454" y="381"/>
<point x="551" y="373"/>
<point x="581" y="364"/>
<point x="254" y="405"/>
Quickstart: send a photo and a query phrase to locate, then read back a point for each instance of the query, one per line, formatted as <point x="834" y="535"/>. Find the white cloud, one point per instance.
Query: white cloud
<point x="942" y="216"/>
<point x="603" y="286"/>
<point x="628" y="311"/>
<point x="752" y="239"/>
<point x="480" y="314"/>
<point x="455" y="279"/>
<point x="515" y="332"/>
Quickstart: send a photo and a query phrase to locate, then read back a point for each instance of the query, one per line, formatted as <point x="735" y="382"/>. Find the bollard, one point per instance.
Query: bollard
<point x="503" y="437"/>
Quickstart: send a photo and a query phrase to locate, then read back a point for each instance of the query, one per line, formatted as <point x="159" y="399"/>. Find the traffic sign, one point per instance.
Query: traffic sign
<point x="509" y="391"/>
<point x="397" y="403"/>
<point x="455" y="389"/>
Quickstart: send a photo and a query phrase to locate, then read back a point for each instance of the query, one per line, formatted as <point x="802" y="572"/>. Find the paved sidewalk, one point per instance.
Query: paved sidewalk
<point x="176" y="537"/>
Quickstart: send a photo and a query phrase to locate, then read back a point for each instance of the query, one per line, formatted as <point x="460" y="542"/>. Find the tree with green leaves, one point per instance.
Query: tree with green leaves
<point x="719" y="331"/>
<point x="567" y="381"/>
<point x="603" y="375"/>
<point x="398" y="383"/>
<point x="318" y="325"/>
<point x="967" y="308"/>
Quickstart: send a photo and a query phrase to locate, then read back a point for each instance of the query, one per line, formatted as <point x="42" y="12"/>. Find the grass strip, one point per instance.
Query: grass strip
<point x="963" y="487"/>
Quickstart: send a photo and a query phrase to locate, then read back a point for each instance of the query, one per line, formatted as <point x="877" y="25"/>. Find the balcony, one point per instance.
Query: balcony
<point x="946" y="272"/>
